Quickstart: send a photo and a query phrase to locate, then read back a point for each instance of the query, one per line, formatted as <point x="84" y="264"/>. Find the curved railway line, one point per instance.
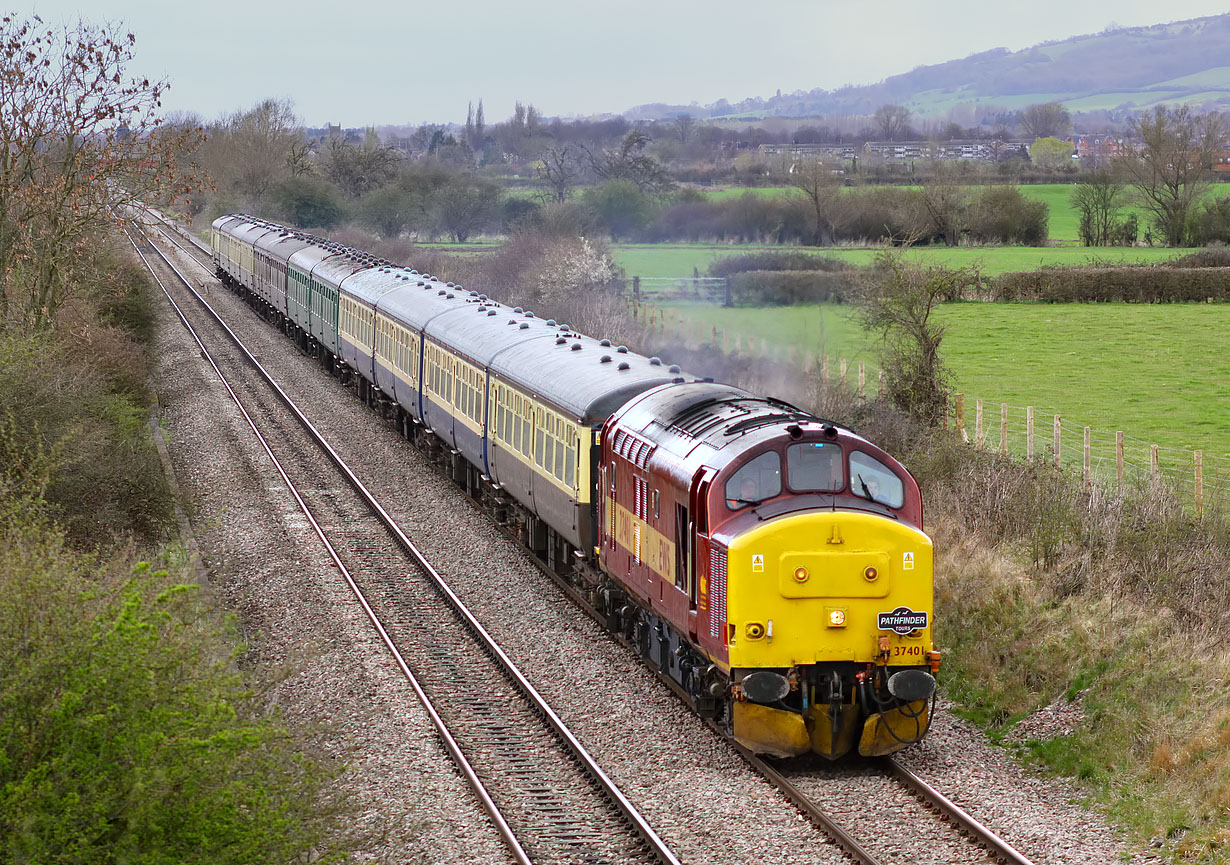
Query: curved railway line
<point x="923" y="825"/>
<point x="548" y="798"/>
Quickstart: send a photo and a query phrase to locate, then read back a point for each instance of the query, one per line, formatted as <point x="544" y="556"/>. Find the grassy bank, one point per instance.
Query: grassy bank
<point x="128" y="732"/>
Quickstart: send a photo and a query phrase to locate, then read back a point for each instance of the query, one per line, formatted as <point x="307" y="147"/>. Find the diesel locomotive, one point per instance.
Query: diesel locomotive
<point x="769" y="564"/>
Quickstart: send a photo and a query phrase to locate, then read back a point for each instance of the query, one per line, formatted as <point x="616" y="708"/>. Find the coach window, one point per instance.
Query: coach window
<point x="873" y="480"/>
<point x="759" y="479"/>
<point x="814" y="467"/>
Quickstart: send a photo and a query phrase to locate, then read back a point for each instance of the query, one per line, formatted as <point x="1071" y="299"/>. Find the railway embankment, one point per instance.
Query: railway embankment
<point x="129" y="721"/>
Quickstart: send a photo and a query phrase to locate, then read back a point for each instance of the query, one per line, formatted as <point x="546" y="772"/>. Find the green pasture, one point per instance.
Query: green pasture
<point x="1159" y="372"/>
<point x="678" y="259"/>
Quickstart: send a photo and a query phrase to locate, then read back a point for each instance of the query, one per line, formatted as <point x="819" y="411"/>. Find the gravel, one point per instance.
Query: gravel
<point x="688" y="782"/>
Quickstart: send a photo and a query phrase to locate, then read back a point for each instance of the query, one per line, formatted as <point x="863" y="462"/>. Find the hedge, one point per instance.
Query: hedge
<point x="788" y="287"/>
<point x="1126" y="284"/>
<point x="775" y="261"/>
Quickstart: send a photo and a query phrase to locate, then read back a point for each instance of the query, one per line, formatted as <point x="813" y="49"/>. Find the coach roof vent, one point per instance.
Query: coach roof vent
<point x="562" y="340"/>
<point x="605" y="343"/>
<point x="677" y="380"/>
<point x="529" y="314"/>
<point x="491" y="312"/>
<point x="674" y="368"/>
<point x="655" y="361"/>
<point x="518" y="310"/>
<point x="576" y="346"/>
<point x="606" y="358"/>
<point x="622" y="349"/>
<point x="550" y="322"/>
<point x="523" y="326"/>
<point x="625" y="365"/>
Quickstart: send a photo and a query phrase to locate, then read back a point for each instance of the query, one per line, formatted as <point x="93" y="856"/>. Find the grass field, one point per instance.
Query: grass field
<point x="678" y="259"/>
<point x="1157" y="371"/>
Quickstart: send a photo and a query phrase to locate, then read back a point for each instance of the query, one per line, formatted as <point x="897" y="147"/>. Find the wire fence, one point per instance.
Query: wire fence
<point x="1114" y="460"/>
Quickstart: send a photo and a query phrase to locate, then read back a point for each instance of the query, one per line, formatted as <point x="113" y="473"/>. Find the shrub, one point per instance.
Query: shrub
<point x="768" y="261"/>
<point x="1211" y="224"/>
<point x="1124" y="284"/>
<point x="308" y="202"/>
<point x="1000" y="214"/>
<point x="788" y="287"/>
<point x="1213" y="256"/>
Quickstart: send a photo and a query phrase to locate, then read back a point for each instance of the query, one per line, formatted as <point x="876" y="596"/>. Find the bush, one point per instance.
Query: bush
<point x="1211" y="224"/>
<point x="1125" y="284"/>
<point x="1214" y="256"/>
<point x="308" y="202"/>
<point x="1000" y="214"/>
<point x="126" y="732"/>
<point x="788" y="287"/>
<point x="769" y="261"/>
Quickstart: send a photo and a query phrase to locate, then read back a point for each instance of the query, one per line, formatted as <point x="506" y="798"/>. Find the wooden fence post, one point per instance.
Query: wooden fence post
<point x="862" y="380"/>
<point x="959" y="411"/>
<point x="979" y="437"/>
<point x="1058" y="439"/>
<point x="1029" y="433"/>
<point x="843" y="370"/>
<point x="880" y="385"/>
<point x="1199" y="461"/>
<point x="1119" y="462"/>
<point x="1088" y="455"/>
<point x="824" y="368"/>
<point x="1153" y="468"/>
<point x="1003" y="428"/>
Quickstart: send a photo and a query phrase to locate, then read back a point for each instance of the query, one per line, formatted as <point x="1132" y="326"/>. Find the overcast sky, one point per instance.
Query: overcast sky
<point x="364" y="62"/>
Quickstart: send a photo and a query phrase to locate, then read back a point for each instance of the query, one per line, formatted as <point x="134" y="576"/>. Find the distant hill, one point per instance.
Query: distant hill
<point x="1118" y="71"/>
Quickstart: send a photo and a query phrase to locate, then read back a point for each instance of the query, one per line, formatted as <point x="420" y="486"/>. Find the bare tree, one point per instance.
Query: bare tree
<point x="822" y="190"/>
<point x="260" y="140"/>
<point x="1046" y="120"/>
<point x="560" y="168"/>
<point x="892" y="121"/>
<point x="945" y="201"/>
<point x="357" y="170"/>
<point x="629" y="161"/>
<point x="299" y="159"/>
<point x="82" y="141"/>
<point x="465" y="205"/>
<point x="684" y="125"/>
<point x="1170" y="162"/>
<point x="1098" y="200"/>
<point x="896" y="300"/>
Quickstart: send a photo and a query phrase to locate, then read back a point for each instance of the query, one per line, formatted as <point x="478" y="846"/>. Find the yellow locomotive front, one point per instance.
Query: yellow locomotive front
<point x="829" y="600"/>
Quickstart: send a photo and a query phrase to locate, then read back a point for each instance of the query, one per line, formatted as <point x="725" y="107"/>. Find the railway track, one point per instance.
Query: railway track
<point x="548" y="798"/>
<point x="901" y="817"/>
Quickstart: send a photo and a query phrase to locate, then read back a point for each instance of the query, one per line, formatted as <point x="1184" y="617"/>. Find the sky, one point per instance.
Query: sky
<point x="363" y="62"/>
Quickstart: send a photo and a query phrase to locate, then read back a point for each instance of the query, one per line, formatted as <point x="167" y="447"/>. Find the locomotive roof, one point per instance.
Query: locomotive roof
<point x="713" y="424"/>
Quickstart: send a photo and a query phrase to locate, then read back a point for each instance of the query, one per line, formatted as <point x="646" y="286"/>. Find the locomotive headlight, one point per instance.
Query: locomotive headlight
<point x="800" y="575"/>
<point x="837" y="618"/>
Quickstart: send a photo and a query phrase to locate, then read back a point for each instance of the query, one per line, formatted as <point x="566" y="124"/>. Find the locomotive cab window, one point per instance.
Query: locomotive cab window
<point x="871" y="479"/>
<point x="759" y="479"/>
<point x="814" y="467"/>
